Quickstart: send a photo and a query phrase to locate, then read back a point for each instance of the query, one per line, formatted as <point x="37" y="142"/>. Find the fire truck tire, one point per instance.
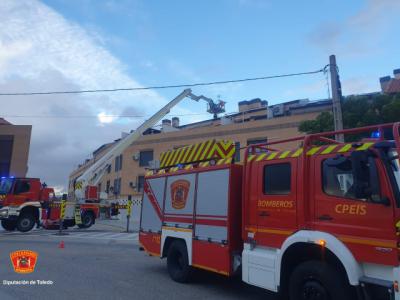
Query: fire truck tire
<point x="25" y="222"/>
<point x="8" y="225"/>
<point x="318" y="280"/>
<point x="87" y="220"/>
<point x="178" y="262"/>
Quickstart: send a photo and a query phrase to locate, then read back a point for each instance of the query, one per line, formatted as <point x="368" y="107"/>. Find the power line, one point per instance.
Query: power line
<point x="92" y="116"/>
<point x="162" y="86"/>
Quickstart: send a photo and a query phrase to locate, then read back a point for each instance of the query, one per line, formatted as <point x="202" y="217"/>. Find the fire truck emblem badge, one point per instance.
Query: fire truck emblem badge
<point x="23" y="261"/>
<point x="179" y="193"/>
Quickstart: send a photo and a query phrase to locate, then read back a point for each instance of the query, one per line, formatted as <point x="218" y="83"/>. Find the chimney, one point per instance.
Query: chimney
<point x="175" y="122"/>
<point x="165" y="124"/>
<point x="384" y="82"/>
<point x="396" y="73"/>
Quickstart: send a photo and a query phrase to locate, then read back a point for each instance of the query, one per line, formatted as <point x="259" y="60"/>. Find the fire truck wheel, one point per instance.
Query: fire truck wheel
<point x="178" y="262"/>
<point x="25" y="222"/>
<point x="87" y="220"/>
<point x="315" y="280"/>
<point x="8" y="225"/>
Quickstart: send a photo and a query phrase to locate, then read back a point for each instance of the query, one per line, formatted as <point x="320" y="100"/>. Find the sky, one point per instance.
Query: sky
<point x="54" y="45"/>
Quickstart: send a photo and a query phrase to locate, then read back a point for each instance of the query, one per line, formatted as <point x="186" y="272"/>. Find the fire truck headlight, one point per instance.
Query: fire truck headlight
<point x="3" y="213"/>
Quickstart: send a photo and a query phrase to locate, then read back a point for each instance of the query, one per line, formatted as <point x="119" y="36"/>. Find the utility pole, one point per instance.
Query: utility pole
<point x="336" y="97"/>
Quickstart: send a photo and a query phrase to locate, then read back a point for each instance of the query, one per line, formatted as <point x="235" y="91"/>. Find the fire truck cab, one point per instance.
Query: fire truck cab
<point x="21" y="200"/>
<point x="321" y="221"/>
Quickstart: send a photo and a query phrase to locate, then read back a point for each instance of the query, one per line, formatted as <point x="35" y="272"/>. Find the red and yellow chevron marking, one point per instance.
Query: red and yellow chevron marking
<point x="149" y="173"/>
<point x="206" y="150"/>
<point x="315" y="150"/>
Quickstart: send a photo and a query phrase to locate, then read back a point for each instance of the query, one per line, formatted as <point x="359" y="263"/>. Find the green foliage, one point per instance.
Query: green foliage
<point x="358" y="111"/>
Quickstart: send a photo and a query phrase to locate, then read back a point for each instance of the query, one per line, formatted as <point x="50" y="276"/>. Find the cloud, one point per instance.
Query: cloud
<point x="361" y="33"/>
<point x="359" y="85"/>
<point x="42" y="51"/>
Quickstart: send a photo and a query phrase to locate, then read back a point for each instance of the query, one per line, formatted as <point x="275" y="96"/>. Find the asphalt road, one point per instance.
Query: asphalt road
<point x="103" y="263"/>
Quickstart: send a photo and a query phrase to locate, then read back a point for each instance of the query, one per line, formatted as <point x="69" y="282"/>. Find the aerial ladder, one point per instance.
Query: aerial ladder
<point x="86" y="184"/>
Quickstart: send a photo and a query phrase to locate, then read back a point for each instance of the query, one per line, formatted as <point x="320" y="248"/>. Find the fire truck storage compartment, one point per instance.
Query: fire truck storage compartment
<point x="208" y="204"/>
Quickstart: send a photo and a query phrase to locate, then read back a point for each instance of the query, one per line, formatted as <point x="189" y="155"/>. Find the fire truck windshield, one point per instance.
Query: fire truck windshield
<point x="5" y="185"/>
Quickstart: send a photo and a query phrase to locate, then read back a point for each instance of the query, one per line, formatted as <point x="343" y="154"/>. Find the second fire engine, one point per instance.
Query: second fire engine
<point x="321" y="221"/>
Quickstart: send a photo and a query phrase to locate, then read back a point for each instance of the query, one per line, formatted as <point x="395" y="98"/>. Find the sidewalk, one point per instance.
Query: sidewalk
<point x="121" y="222"/>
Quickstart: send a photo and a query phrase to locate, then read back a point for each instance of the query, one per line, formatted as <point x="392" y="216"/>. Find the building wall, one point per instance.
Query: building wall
<point x="19" y="137"/>
<point x="266" y="129"/>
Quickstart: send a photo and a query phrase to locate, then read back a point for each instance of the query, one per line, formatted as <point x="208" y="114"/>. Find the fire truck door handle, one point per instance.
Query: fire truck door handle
<point x="325" y="218"/>
<point x="263" y="214"/>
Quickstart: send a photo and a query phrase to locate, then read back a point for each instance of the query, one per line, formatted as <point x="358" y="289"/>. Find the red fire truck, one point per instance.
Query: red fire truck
<point x="321" y="221"/>
<point x="25" y="202"/>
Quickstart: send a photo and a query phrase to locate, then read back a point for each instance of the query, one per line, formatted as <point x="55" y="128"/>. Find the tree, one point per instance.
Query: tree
<point x="358" y="111"/>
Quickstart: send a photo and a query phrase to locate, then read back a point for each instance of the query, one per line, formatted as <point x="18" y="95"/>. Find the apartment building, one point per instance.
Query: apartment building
<point x="255" y="122"/>
<point x="14" y="148"/>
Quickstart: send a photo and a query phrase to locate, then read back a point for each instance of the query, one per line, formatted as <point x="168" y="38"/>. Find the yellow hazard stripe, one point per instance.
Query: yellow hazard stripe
<point x="188" y="167"/>
<point x="261" y="156"/>
<point x="177" y="229"/>
<point x="179" y="158"/>
<point x="345" y="148"/>
<point x="162" y="155"/>
<point x="313" y="150"/>
<point x="193" y="152"/>
<point x="198" y="152"/>
<point x="329" y="149"/>
<point x="364" y="147"/>
<point x="168" y="161"/>
<point x="369" y="242"/>
<point x="272" y="155"/>
<point x="250" y="157"/>
<point x="220" y="162"/>
<point x="298" y="152"/>
<point x="210" y="269"/>
<point x="174" y="158"/>
<point x="187" y="152"/>
<point x="265" y="230"/>
<point x="284" y="154"/>
<point x="205" y="150"/>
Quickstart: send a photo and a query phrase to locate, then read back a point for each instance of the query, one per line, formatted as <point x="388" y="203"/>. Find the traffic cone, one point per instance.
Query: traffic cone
<point x="61" y="245"/>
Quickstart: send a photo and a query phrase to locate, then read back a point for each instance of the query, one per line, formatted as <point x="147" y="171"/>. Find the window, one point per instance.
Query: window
<point x="237" y="151"/>
<point x="22" y="186"/>
<point x="338" y="179"/>
<point x="108" y="186"/>
<point x="109" y="169"/>
<point x="145" y="158"/>
<point x="140" y="185"/>
<point x="257" y="141"/>
<point x="118" y="163"/>
<point x="117" y="186"/>
<point x="277" y="179"/>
